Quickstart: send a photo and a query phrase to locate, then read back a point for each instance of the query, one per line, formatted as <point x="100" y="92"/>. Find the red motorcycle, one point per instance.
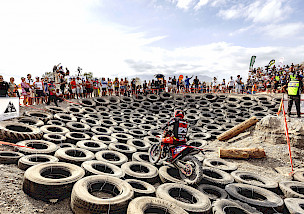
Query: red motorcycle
<point x="181" y="157"/>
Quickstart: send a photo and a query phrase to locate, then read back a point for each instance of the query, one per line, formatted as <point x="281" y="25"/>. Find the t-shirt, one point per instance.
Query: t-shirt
<point x="173" y="81"/>
<point x="79" y="84"/>
<point x="231" y="83"/>
<point x="196" y="81"/>
<point x="30" y="82"/>
<point x="38" y="85"/>
<point x="3" y="88"/>
<point x="104" y="84"/>
<point x="51" y="88"/>
<point x="73" y="84"/>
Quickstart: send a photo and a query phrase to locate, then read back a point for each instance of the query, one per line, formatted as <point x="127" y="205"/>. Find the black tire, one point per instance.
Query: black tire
<point x="27" y="161"/>
<point x="140" y="145"/>
<point x="37" y="147"/>
<point x="44" y="116"/>
<point x="186" y="197"/>
<point x="122" y="137"/>
<point x="138" y="133"/>
<point x="89" y="110"/>
<point x="224" y="206"/>
<point x="74" y="155"/>
<point x="105" y="114"/>
<point x="55" y="122"/>
<point x="153" y="97"/>
<point x="108" y="123"/>
<point x="100" y="130"/>
<point x="125" y="149"/>
<point x="30" y="121"/>
<point x="119" y="193"/>
<point x="254" y="179"/>
<point x="141" y="188"/>
<point x="216" y="177"/>
<point x="264" y="200"/>
<point x="95" y="116"/>
<point x="105" y="139"/>
<point x="139" y="98"/>
<point x="14" y="132"/>
<point x="294" y="205"/>
<point x="141" y="157"/>
<point x="169" y="174"/>
<point x="152" y="139"/>
<point x="75" y="109"/>
<point x="96" y="167"/>
<point x="118" y="129"/>
<point x="113" y="157"/>
<point x="10" y="157"/>
<point x="155" y="152"/>
<point x="101" y="101"/>
<point x="166" y="96"/>
<point x="91" y="145"/>
<point x="78" y="127"/>
<point x="140" y="170"/>
<point x="87" y="103"/>
<point x="65" y="117"/>
<point x="114" y="100"/>
<point x="74" y="137"/>
<point x="213" y="192"/>
<point x="299" y="175"/>
<point x="91" y="122"/>
<point x="197" y="143"/>
<point x="292" y="189"/>
<point x="196" y="170"/>
<point x="220" y="164"/>
<point x="54" y="129"/>
<point x="51" y="181"/>
<point x="147" y="204"/>
<point x="146" y="127"/>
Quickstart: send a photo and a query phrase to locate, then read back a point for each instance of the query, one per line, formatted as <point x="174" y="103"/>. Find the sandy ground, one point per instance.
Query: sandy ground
<point x="276" y="165"/>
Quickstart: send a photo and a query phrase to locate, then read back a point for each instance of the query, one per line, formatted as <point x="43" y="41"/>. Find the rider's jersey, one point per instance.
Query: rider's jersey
<point x="179" y="128"/>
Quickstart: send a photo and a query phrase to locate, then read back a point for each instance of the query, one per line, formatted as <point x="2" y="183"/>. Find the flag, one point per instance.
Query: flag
<point x="271" y="63"/>
<point x="281" y="61"/>
<point x="252" y="61"/>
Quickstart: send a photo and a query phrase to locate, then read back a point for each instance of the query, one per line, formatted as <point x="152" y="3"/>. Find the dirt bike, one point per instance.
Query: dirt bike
<point x="181" y="157"/>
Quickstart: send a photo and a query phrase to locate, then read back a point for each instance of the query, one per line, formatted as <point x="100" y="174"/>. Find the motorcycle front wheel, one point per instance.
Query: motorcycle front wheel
<point x="155" y="153"/>
<point x="193" y="172"/>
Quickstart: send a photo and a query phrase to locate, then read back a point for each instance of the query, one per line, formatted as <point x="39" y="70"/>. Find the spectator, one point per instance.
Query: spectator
<point x="104" y="86"/>
<point x="30" y="82"/>
<point x="13" y="88"/>
<point x="110" y="87"/>
<point x="116" y="86"/>
<point x="238" y="85"/>
<point x="187" y="83"/>
<point x="38" y="86"/>
<point x="25" y="90"/>
<point x="4" y="88"/>
<point x="59" y="95"/>
<point x="174" y="85"/>
<point x="79" y="88"/>
<point x="196" y="83"/>
<point x="52" y="93"/>
<point x="74" y="88"/>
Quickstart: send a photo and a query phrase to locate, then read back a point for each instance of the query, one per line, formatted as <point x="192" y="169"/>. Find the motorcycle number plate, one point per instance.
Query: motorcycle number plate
<point x="179" y="149"/>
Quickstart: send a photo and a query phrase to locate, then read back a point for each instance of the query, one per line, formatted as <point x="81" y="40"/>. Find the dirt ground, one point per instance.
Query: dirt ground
<point x="276" y="165"/>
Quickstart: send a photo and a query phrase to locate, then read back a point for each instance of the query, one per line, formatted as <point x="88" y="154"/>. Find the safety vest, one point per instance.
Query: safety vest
<point x="293" y="87"/>
<point x="277" y="78"/>
<point x="292" y="77"/>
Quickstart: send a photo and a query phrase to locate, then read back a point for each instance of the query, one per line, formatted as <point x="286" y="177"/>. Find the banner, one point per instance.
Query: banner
<point x="271" y="63"/>
<point x="9" y="107"/>
<point x="252" y="61"/>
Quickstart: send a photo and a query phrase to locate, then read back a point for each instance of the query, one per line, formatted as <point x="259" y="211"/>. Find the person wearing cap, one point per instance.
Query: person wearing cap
<point x="294" y="88"/>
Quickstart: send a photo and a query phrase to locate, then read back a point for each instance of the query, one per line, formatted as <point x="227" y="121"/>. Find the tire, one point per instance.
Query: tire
<point x="51" y="181"/>
<point x="197" y="143"/>
<point x="38" y="147"/>
<point x="108" y="123"/>
<point x="83" y="201"/>
<point x="95" y="167"/>
<point x="200" y="136"/>
<point x="152" y="139"/>
<point x="89" y="110"/>
<point x="155" y="152"/>
<point x="78" y="127"/>
<point x="55" y="122"/>
<point x="146" y="127"/>
<point x="113" y="157"/>
<point x="118" y="129"/>
<point x="220" y="164"/>
<point x="147" y="204"/>
<point x="216" y="177"/>
<point x="122" y="137"/>
<point x="140" y="170"/>
<point x="169" y="174"/>
<point x="55" y="109"/>
<point x="101" y="101"/>
<point x="138" y="133"/>
<point x="74" y="137"/>
<point x="14" y="132"/>
<point x="65" y="117"/>
<point x="141" y="188"/>
<point x="74" y="155"/>
<point x="254" y="179"/>
<point x="30" y="121"/>
<point x="105" y="139"/>
<point x="114" y="100"/>
<point x="196" y="170"/>
<point x="10" y="157"/>
<point x="44" y="116"/>
<point x="141" y="157"/>
<point x="75" y="109"/>
<point x="54" y="129"/>
<point x="100" y="130"/>
<point x="91" y="122"/>
<point x="95" y="116"/>
<point x="105" y="114"/>
<point x="264" y="200"/>
<point x="224" y="206"/>
<point x="186" y="197"/>
<point x="294" y="205"/>
<point x="292" y="189"/>
<point x="67" y="145"/>
<point x="27" y="161"/>
<point x="299" y="175"/>
<point x="139" y="98"/>
<point x="153" y="97"/>
<point x="87" y="103"/>
<point x="125" y="149"/>
<point x="213" y="192"/>
<point x="91" y="145"/>
<point x="140" y="145"/>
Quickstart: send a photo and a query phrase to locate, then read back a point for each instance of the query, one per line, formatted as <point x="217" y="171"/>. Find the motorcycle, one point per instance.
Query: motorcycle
<point x="180" y="157"/>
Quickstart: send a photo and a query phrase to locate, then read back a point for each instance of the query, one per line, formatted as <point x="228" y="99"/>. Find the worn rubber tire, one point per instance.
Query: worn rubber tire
<point x="14" y="132"/>
<point x="87" y="103"/>
<point x="10" y="157"/>
<point x="216" y="177"/>
<point x="74" y="137"/>
<point x="54" y="138"/>
<point x="90" y="121"/>
<point x="100" y="130"/>
<point x="213" y="192"/>
<point x="122" y="137"/>
<point x="27" y="161"/>
<point x="74" y="155"/>
<point x="65" y="117"/>
<point x="292" y="189"/>
<point x="55" y="122"/>
<point x="125" y="149"/>
<point x="168" y="191"/>
<point x="105" y="139"/>
<point x="112" y="157"/>
<point x="224" y="206"/>
<point x="83" y="201"/>
<point x="169" y="174"/>
<point x="198" y="169"/>
<point x="220" y="164"/>
<point x="298" y="175"/>
<point x="140" y="145"/>
<point x="78" y="127"/>
<point x="54" y="129"/>
<point x="141" y="188"/>
<point x="30" y="121"/>
<point x="37" y="147"/>
<point x="39" y="184"/>
<point x="66" y="145"/>
<point x="96" y="167"/>
<point x="294" y="205"/>
<point x="141" y="157"/>
<point x="44" y="116"/>
<point x="91" y="145"/>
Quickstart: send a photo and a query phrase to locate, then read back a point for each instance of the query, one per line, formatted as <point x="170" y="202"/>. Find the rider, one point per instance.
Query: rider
<point x="178" y="130"/>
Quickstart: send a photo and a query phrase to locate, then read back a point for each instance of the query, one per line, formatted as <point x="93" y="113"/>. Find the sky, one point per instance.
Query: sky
<point x="140" y="38"/>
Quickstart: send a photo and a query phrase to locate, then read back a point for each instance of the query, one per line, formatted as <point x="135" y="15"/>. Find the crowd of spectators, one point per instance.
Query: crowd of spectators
<point x="63" y="86"/>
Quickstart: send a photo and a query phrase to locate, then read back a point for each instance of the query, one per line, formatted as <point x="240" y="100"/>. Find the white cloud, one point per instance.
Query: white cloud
<point x="184" y="4"/>
<point x="200" y="4"/>
<point x="278" y="31"/>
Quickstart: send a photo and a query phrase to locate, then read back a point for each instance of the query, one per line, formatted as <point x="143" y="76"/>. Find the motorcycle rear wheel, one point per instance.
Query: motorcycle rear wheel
<point x="195" y="169"/>
<point x="155" y="153"/>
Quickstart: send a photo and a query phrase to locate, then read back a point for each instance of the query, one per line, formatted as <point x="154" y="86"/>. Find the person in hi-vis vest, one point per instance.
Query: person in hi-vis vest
<point x="294" y="88"/>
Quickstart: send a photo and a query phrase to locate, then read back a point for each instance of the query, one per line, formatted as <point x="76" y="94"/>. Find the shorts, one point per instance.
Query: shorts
<point x="79" y="90"/>
<point x="104" y="89"/>
<point x="230" y="87"/>
<point x="196" y="86"/>
<point x="73" y="90"/>
<point x="116" y="88"/>
<point x="39" y="93"/>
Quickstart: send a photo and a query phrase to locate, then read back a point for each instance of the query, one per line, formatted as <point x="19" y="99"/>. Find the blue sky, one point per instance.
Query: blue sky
<point x="140" y="37"/>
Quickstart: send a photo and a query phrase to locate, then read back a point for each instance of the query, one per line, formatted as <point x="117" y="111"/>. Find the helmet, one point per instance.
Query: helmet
<point x="179" y="113"/>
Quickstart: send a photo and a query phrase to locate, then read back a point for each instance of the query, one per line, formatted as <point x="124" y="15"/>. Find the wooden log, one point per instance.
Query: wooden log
<point x="237" y="129"/>
<point x="242" y="153"/>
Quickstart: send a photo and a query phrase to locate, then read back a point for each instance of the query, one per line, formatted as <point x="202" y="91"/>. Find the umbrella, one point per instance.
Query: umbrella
<point x="159" y="76"/>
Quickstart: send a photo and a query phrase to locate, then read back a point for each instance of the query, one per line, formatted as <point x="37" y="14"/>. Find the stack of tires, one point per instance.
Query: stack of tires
<point x="96" y="153"/>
